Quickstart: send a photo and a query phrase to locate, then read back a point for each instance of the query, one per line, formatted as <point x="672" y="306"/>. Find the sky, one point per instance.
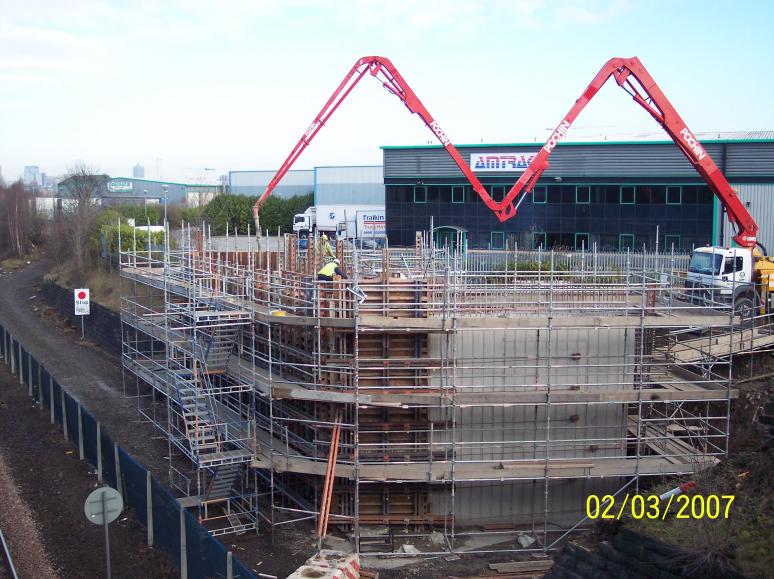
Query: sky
<point x="184" y="86"/>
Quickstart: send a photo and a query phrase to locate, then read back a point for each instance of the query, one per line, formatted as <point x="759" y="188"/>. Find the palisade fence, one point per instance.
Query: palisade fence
<point x="168" y="525"/>
<point x="589" y="261"/>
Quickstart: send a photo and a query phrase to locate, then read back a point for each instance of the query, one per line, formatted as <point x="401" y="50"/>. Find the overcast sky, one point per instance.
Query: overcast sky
<point x="232" y="85"/>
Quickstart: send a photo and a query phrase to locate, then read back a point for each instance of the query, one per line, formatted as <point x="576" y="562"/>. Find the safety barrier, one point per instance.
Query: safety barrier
<point x="168" y="525"/>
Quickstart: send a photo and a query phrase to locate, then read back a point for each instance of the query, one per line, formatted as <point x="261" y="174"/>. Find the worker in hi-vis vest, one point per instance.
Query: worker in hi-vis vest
<point x="326" y="250"/>
<point x="329" y="270"/>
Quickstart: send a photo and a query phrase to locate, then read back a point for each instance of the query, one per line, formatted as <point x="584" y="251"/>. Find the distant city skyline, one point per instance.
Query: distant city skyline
<point x="233" y="86"/>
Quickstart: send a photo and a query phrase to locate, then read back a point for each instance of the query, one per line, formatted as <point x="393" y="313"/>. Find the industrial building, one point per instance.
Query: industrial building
<point x="134" y="191"/>
<point x="335" y="185"/>
<point x="466" y="400"/>
<point x="615" y="195"/>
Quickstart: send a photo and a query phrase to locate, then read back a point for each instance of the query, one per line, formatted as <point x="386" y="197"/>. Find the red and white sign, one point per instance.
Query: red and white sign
<point x="82" y="303"/>
<point x="501" y="162"/>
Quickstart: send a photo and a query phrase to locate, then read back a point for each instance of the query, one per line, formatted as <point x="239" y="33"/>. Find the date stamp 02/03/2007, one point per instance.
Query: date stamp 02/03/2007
<point x="636" y="506"/>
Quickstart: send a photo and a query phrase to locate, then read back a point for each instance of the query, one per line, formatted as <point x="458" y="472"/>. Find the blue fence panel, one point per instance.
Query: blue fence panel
<point x="205" y="559"/>
<point x="89" y="436"/>
<point x="57" y="393"/>
<point x="135" y="485"/>
<point x="108" y="460"/>
<point x="33" y="372"/>
<point x="46" y="391"/>
<point x="37" y="393"/>
<point x="166" y="521"/>
<point x="71" y="411"/>
<point x="24" y="368"/>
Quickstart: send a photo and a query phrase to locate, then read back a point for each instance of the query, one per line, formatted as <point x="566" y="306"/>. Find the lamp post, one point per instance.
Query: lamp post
<point x="165" y="189"/>
<point x="145" y="203"/>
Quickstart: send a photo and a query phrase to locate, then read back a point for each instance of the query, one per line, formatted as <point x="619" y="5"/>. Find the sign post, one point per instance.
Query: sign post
<point x="82" y="305"/>
<point x="102" y="507"/>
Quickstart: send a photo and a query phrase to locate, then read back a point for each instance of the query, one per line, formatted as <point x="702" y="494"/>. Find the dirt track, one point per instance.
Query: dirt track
<point x="43" y="486"/>
<point x="94" y="377"/>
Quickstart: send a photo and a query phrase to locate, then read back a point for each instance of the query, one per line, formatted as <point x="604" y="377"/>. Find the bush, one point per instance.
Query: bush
<point x="192" y="215"/>
<point x="236" y="212"/>
<point x="141" y="213"/>
<point x="130" y="236"/>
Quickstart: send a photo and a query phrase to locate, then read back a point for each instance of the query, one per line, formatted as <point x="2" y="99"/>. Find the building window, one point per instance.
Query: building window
<point x="670" y="241"/>
<point x="583" y="194"/>
<point x="627" y="195"/>
<point x="420" y="194"/>
<point x="498" y="192"/>
<point x="458" y="194"/>
<point x="539" y="194"/>
<point x="674" y="195"/>
<point x="625" y="241"/>
<point x="497" y="240"/>
<point x="582" y="241"/>
<point x="538" y="240"/>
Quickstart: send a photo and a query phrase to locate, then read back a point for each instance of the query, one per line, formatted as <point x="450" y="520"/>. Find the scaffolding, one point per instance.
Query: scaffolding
<point x="475" y="398"/>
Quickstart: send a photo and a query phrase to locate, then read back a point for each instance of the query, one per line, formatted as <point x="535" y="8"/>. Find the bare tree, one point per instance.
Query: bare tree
<point x="81" y="193"/>
<point x="19" y="226"/>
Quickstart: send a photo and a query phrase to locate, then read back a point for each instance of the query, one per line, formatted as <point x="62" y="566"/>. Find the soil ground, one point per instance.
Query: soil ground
<point x="94" y="377"/>
<point x="47" y="486"/>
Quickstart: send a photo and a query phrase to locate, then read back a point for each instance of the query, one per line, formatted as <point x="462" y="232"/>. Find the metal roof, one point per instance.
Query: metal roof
<point x="621" y="139"/>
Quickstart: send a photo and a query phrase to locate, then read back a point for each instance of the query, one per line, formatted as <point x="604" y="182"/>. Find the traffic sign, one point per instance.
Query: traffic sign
<point x="102" y="507"/>
<point x="96" y="510"/>
<point x="82" y="302"/>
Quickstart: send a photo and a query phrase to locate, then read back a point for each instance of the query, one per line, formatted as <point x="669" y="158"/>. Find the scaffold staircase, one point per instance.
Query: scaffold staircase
<point x="223" y="480"/>
<point x="197" y="413"/>
<point x="217" y="331"/>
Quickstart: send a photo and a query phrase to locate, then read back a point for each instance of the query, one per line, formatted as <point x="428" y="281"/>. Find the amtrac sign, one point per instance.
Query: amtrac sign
<point x="501" y="162"/>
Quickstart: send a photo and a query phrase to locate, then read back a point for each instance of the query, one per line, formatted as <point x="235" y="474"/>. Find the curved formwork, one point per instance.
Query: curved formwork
<point x="478" y="405"/>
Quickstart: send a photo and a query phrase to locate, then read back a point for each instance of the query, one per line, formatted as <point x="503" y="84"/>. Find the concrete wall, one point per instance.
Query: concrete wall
<point x="517" y="360"/>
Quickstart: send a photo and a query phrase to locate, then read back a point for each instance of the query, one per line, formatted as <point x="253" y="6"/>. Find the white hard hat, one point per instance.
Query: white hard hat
<point x="337" y="262"/>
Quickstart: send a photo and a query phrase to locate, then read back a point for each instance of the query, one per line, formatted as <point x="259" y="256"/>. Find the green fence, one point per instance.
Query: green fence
<point x="169" y="526"/>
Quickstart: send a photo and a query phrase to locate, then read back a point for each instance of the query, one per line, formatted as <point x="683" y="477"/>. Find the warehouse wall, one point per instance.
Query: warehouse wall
<point x="300" y="182"/>
<point x="344" y="185"/>
<point x="635" y="160"/>
<point x="760" y="197"/>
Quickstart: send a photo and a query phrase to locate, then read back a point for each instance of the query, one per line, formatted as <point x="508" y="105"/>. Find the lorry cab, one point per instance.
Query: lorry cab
<point x="728" y="271"/>
<point x="304" y="223"/>
<point x="722" y="275"/>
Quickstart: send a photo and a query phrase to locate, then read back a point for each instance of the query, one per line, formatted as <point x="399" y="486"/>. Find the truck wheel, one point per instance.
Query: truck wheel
<point x="745" y="309"/>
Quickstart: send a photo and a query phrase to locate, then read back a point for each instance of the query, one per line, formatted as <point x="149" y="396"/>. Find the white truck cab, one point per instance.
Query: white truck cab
<point x="722" y="275"/>
<point x="729" y="271"/>
<point x="305" y="223"/>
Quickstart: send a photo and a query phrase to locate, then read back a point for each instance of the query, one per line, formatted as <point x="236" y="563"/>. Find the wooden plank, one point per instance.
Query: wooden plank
<point x="522" y="566"/>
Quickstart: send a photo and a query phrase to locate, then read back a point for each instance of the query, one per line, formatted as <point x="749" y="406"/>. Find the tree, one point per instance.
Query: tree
<point x="81" y="193"/>
<point x="20" y="229"/>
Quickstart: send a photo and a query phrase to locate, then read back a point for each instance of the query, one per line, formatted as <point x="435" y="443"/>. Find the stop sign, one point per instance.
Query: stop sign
<point x="82" y="304"/>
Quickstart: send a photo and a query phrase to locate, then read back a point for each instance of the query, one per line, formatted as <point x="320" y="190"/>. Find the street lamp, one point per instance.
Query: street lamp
<point x="165" y="189"/>
<point x="145" y="203"/>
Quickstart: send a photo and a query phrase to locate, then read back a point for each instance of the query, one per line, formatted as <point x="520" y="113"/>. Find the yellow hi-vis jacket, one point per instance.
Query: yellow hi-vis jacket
<point x="329" y="269"/>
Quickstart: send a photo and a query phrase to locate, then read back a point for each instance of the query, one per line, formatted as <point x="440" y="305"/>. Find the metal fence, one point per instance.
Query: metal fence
<point x="190" y="545"/>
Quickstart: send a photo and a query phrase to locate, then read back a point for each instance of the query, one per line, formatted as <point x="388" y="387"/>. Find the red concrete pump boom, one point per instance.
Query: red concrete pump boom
<point x="629" y="74"/>
<point x="387" y="74"/>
